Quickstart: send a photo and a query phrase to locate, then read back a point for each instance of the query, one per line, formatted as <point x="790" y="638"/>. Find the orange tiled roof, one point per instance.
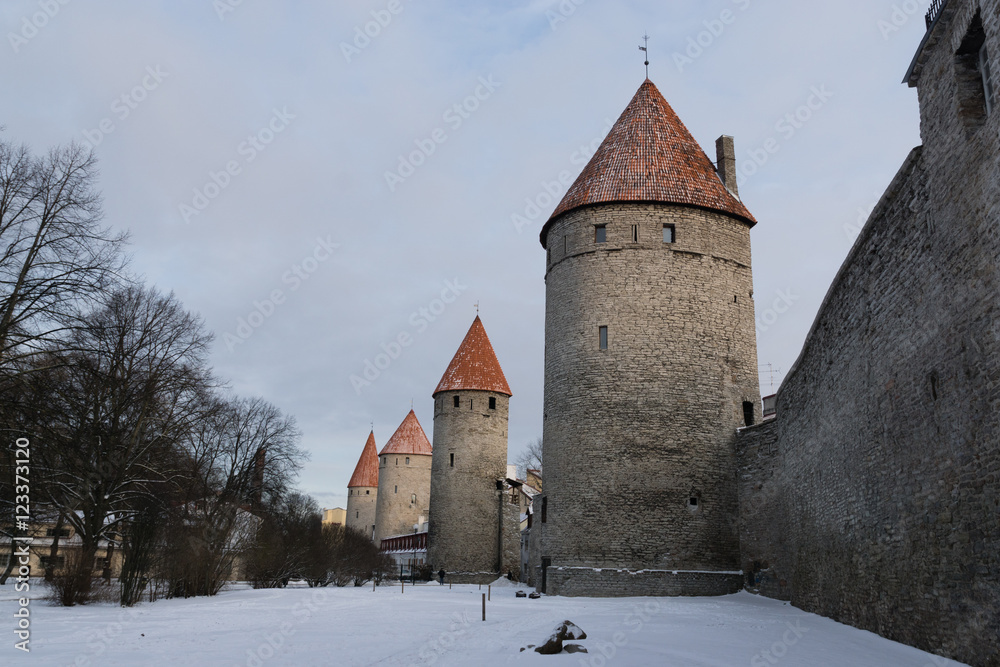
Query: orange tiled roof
<point x="366" y="472"/>
<point x="409" y="438"/>
<point x="475" y="365"/>
<point x="650" y="156"/>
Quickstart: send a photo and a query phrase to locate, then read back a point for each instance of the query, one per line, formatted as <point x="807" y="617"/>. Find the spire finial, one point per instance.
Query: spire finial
<point x="477" y="309"/>
<point x="645" y="49"/>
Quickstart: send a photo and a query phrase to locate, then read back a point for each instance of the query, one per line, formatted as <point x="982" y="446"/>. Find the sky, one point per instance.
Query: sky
<point x="322" y="181"/>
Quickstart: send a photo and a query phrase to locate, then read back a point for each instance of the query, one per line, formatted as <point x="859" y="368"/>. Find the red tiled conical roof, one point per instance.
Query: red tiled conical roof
<point x="650" y="156"/>
<point x="409" y="438"/>
<point x="366" y="473"/>
<point x="475" y="365"/>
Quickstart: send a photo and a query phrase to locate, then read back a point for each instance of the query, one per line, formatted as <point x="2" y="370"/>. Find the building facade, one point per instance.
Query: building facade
<point x="362" y="490"/>
<point x="472" y="530"/>
<point x="404" y="481"/>
<point x="336" y="516"/>
<point x="650" y="365"/>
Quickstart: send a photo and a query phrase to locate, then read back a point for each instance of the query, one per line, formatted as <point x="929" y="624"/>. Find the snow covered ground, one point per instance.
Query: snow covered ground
<point x="432" y="625"/>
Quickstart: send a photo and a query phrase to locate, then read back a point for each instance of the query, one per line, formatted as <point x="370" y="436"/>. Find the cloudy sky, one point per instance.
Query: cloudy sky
<point x="317" y="179"/>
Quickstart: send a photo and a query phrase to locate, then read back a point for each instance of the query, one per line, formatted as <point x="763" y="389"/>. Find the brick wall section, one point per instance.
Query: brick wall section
<point x="874" y="498"/>
<point x="394" y="513"/>
<point x="464" y="504"/>
<point x="511" y="541"/>
<point x="534" y="545"/>
<point x="361" y="502"/>
<point x="633" y="432"/>
<point x="763" y="519"/>
<point x="607" y="583"/>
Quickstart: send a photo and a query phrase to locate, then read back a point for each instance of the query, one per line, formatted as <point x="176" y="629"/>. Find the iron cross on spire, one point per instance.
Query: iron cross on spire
<point x="645" y="49"/>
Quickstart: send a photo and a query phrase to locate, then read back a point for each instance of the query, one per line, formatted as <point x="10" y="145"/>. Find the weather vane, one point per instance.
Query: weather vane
<point x="645" y="49"/>
<point x="477" y="308"/>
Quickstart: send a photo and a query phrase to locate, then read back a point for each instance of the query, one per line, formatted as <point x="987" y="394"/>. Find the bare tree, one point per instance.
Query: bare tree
<point x="55" y="256"/>
<point x="242" y="455"/>
<point x="111" y="409"/>
<point x="280" y="552"/>
<point x="529" y="458"/>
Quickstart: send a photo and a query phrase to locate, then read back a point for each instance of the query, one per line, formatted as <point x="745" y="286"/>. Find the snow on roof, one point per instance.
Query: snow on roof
<point x="475" y="365"/>
<point x="409" y="438"/>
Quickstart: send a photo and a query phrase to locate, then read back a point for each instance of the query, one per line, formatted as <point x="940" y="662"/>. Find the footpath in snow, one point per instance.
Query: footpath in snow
<point x="433" y="625"/>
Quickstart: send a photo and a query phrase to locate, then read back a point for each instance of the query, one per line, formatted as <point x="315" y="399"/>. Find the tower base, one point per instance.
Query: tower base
<point x="483" y="578"/>
<point x="610" y="582"/>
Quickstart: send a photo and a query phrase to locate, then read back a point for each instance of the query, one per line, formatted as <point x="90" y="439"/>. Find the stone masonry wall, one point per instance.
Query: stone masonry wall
<point x="465" y="505"/>
<point x="361" y="503"/>
<point x="874" y="498"/>
<point x="634" y="432"/>
<point x="395" y="514"/>
<point x="629" y="583"/>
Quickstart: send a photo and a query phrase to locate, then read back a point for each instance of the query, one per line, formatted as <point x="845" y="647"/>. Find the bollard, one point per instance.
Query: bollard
<point x="373" y="584"/>
<point x="489" y="592"/>
<point x="402" y="586"/>
<point x="484" y="607"/>
<point x="449" y="585"/>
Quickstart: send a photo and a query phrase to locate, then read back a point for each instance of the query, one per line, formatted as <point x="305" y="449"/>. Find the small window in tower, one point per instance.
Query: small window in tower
<point x="603" y="335"/>
<point x="601" y="234"/>
<point x="669" y="233"/>
<point x="566" y="245"/>
<point x="748" y="413"/>
<point x="395" y="489"/>
<point x="397" y="460"/>
<point x="493" y="403"/>
<point x="545" y="508"/>
<point x="357" y="515"/>
<point x="407" y="460"/>
<point x="367" y="492"/>
<point x="458" y="401"/>
<point x="452" y="460"/>
<point x="413" y="499"/>
<point x="693" y="502"/>
<point x="635" y="233"/>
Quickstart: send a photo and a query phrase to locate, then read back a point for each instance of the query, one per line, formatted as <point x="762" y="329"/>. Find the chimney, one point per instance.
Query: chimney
<point x="725" y="152"/>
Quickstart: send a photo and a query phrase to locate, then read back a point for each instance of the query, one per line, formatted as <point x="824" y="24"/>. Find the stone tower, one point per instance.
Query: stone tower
<point x="404" y="481"/>
<point x="469" y="523"/>
<point x="650" y="365"/>
<point x="362" y="490"/>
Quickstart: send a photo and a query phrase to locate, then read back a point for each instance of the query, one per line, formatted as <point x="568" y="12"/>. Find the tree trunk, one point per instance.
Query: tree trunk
<point x="109" y="553"/>
<point x="85" y="570"/>
<point x="54" y="550"/>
